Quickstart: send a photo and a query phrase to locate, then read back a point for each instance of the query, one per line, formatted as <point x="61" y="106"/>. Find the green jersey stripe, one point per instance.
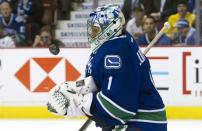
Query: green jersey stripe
<point x="123" y="115"/>
<point x="152" y="117"/>
<point x="113" y="103"/>
<point x="114" y="109"/>
<point x="108" y="111"/>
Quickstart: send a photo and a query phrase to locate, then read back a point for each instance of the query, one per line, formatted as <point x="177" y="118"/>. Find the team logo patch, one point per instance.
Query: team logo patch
<point x="112" y="62"/>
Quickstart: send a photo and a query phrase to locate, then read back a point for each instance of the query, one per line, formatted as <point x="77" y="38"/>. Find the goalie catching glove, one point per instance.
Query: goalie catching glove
<point x="72" y="99"/>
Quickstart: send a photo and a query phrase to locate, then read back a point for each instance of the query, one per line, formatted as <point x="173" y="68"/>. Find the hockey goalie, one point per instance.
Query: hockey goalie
<point x="118" y="91"/>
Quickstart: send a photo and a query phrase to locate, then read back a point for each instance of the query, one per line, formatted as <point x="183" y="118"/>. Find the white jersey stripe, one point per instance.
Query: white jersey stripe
<point x="156" y="110"/>
<point x="148" y="121"/>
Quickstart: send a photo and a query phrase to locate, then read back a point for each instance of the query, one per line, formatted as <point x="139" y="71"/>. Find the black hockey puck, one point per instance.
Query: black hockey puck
<point x="54" y="49"/>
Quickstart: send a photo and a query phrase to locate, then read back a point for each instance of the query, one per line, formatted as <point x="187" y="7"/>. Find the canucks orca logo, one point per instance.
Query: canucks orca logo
<point x="112" y="62"/>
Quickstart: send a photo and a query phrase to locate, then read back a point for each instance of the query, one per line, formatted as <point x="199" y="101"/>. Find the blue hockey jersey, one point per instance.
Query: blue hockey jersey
<point x="15" y="26"/>
<point x="25" y="9"/>
<point x="127" y="95"/>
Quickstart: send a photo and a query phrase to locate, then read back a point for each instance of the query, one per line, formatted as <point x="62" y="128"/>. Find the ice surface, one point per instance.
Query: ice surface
<point x="74" y="125"/>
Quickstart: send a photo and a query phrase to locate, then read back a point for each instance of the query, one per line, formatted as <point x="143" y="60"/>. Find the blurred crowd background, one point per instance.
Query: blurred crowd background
<point x="39" y="23"/>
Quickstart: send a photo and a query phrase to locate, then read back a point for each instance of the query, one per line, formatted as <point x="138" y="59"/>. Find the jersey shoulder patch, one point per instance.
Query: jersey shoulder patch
<point x="112" y="62"/>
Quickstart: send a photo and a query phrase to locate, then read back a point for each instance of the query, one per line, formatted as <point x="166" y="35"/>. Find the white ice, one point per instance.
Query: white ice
<point x="74" y="125"/>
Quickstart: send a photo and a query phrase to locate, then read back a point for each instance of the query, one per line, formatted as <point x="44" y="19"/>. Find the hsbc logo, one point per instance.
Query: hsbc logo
<point x="42" y="74"/>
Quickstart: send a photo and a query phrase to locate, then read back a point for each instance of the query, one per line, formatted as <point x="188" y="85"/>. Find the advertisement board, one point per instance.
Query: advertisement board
<point x="27" y="74"/>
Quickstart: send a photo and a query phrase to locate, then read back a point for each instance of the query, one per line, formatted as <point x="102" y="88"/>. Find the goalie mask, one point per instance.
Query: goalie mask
<point x="103" y="24"/>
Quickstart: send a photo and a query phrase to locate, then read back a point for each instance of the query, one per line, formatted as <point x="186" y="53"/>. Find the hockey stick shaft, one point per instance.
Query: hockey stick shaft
<point x="85" y="125"/>
<point x="156" y="38"/>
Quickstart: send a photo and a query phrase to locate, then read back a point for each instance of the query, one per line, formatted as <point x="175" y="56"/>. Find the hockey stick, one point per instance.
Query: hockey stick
<point x="86" y="125"/>
<point x="156" y="38"/>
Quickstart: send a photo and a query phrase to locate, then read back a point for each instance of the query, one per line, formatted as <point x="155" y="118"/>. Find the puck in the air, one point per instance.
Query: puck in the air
<point x="54" y="49"/>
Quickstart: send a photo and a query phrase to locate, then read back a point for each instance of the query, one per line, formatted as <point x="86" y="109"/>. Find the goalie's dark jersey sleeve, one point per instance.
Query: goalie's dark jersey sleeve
<point x="127" y="94"/>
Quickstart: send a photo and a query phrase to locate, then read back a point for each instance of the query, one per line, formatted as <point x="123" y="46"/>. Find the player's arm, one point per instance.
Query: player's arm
<point x="27" y="8"/>
<point x="112" y="105"/>
<point x="21" y="29"/>
<point x="117" y="102"/>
